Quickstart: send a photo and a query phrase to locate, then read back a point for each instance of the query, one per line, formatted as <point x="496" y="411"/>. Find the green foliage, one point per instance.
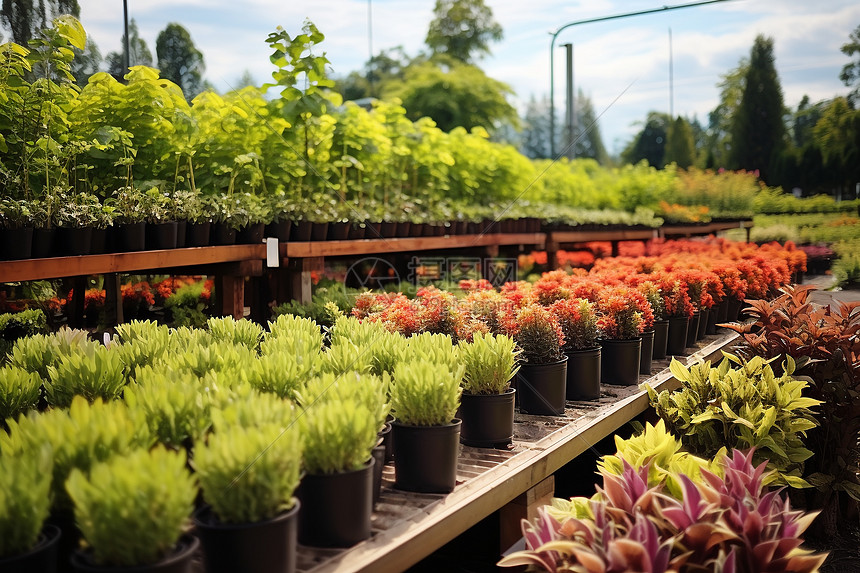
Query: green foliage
<point x="221" y="357"/>
<point x="141" y="343"/>
<point x="283" y="368"/>
<point x="97" y="372"/>
<point x="742" y="408"/>
<point x="426" y="393"/>
<point x="25" y="499"/>
<point x="338" y="436"/>
<point x="489" y="362"/>
<point x="846" y="269"/>
<point x="297" y="328"/>
<point x="19" y="392"/>
<point x="346" y="357"/>
<point x="79" y="437"/>
<point x="367" y="390"/>
<point x="175" y="406"/>
<point x="249" y="474"/>
<point x="132" y="509"/>
<point x="316" y="310"/>
<point x="179" y="59"/>
<point x="228" y="329"/>
<point x="36" y="353"/>
<point x="462" y="29"/>
<point x="186" y="306"/>
<point x="15" y="325"/>
<point x="438" y="348"/>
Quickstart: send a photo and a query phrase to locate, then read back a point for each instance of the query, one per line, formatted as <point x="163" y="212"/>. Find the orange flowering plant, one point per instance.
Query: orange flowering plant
<point x="623" y="312"/>
<point x="537" y="332"/>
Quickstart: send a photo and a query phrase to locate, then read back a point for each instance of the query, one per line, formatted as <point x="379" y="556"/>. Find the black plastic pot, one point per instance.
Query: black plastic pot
<point x="387" y="440"/>
<point x="280" y="230"/>
<point x="711" y="325"/>
<point x="704" y="315"/>
<point x="378" y="454"/>
<point x="425" y="457"/>
<point x="357" y="231"/>
<point x="693" y="330"/>
<point x="404" y="229"/>
<point x="488" y="419"/>
<point x="337" y="231"/>
<point x="646" y="352"/>
<point x="733" y="309"/>
<point x="661" y="333"/>
<point x="336" y="508"/>
<point x="388" y="229"/>
<point x="43" y="243"/>
<point x="258" y="547"/>
<point x="542" y="388"/>
<point x="180" y="561"/>
<point x="98" y="241"/>
<point x="676" y="336"/>
<point x="42" y="558"/>
<point x="583" y="374"/>
<point x="75" y="241"/>
<point x="723" y="311"/>
<point x="16" y="243"/>
<point x="620" y="362"/>
<point x="319" y="231"/>
<point x="222" y="234"/>
<point x="301" y="231"/>
<point x="251" y="234"/>
<point x="181" y="233"/>
<point x="160" y="236"/>
<point x="132" y="237"/>
<point x="197" y="234"/>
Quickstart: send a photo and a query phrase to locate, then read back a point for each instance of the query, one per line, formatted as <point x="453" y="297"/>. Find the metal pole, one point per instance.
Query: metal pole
<point x="127" y="41"/>
<point x="671" y="80"/>
<point x="590" y="21"/>
<point x="570" y="135"/>
<point x="370" y="47"/>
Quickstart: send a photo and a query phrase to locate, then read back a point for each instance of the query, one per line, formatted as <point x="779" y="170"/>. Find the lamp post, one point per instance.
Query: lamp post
<point x="591" y="21"/>
<point x="571" y="105"/>
<point x="126" y="46"/>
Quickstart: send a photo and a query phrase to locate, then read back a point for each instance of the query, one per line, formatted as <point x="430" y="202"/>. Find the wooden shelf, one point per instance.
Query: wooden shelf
<point x="564" y="237"/>
<point x="401" y="245"/>
<point x="408" y="527"/>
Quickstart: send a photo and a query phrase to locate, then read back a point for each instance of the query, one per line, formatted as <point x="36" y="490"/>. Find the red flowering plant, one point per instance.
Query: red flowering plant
<point x="469" y="285"/>
<point x="516" y="293"/>
<point x="585" y="287"/>
<point x="536" y="331"/>
<point x="734" y="285"/>
<point x="483" y="306"/>
<point x="676" y="299"/>
<point x="578" y="320"/>
<point x="651" y="291"/>
<point x="438" y="312"/>
<point x="623" y="312"/>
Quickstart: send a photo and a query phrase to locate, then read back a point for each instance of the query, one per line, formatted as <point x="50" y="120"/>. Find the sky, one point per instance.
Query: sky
<point x="622" y="65"/>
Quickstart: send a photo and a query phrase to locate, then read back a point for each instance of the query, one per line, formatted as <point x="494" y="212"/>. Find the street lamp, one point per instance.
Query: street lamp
<point x="591" y="21"/>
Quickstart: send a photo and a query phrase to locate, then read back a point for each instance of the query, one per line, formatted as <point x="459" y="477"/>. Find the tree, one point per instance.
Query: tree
<point x="757" y="127"/>
<point x="179" y="60"/>
<point x="86" y="62"/>
<point x="536" y="136"/>
<point x="837" y="134"/>
<point x="459" y="95"/>
<point x="25" y="18"/>
<point x="680" y="145"/>
<point x="719" y="139"/>
<point x="380" y="69"/>
<point x="462" y="29"/>
<point x="139" y="54"/>
<point x="805" y="118"/>
<point x="650" y="143"/>
<point x="588" y="142"/>
<point x="850" y="74"/>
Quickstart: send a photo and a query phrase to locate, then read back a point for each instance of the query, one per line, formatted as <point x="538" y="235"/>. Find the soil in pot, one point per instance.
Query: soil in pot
<point x="646" y="352"/>
<point x="661" y="339"/>
<point x="583" y="374"/>
<point x="425" y="457"/>
<point x="258" y="547"/>
<point x="336" y="508"/>
<point x="620" y="362"/>
<point x="180" y="561"/>
<point x="42" y="558"/>
<point x="542" y="388"/>
<point x="488" y="419"/>
<point x="676" y="335"/>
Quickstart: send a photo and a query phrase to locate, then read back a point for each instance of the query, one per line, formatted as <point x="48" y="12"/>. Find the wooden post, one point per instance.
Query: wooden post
<point x="75" y="310"/>
<point x="524" y="506"/>
<point x="300" y="269"/>
<point x="230" y="292"/>
<point x="113" y="300"/>
<point x="551" y="253"/>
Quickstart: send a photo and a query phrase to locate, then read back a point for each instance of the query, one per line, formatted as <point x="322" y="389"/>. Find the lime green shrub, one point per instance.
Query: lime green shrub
<point x="19" y="391"/>
<point x="489" y="363"/>
<point x="426" y="393"/>
<point x="25" y="499"/>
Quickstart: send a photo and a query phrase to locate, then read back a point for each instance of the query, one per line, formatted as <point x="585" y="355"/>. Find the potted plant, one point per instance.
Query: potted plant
<point x="339" y="433"/>
<point x="578" y="320"/>
<point x="424" y="398"/>
<point x="679" y="312"/>
<point x="77" y="214"/>
<point x="19" y="392"/>
<point x="649" y="292"/>
<point x="132" y="510"/>
<point x="16" y="229"/>
<point x="542" y="380"/>
<point x="487" y="402"/>
<point x="654" y="295"/>
<point x="26" y="542"/>
<point x="622" y="310"/>
<point x="129" y="218"/>
<point x="249" y="476"/>
<point x="161" y="226"/>
<point x="259" y="214"/>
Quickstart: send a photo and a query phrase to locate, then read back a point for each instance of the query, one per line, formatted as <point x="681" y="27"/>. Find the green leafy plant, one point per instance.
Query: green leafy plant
<point x="244" y="332"/>
<point x="368" y="390"/>
<point x="744" y="407"/>
<point x="15" y="325"/>
<point x="36" y="353"/>
<point x="281" y="371"/>
<point x="489" y="363"/>
<point x="426" y="393"/>
<point x="19" y="391"/>
<point x="97" y="372"/>
<point x="79" y="437"/>
<point x="187" y="306"/>
<point x="338" y="436"/>
<point x="345" y="356"/>
<point x="132" y="509"/>
<point x="25" y="499"/>
<point x="295" y="327"/>
<point x="438" y="348"/>
<point x="249" y="474"/>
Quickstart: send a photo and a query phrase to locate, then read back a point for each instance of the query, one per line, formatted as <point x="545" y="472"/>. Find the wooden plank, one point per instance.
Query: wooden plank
<point x="57" y="267"/>
<point x="439" y="519"/>
<point x="524" y="506"/>
<point x="230" y="295"/>
<point x="375" y="246"/>
<point x="301" y="282"/>
<point x="562" y="237"/>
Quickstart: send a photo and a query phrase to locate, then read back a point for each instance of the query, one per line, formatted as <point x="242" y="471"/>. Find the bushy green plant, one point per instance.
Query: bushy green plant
<point x="25" y="499"/>
<point x="489" y="363"/>
<point x="338" y="436"/>
<point x="386" y="352"/>
<point x="15" y="325"/>
<point x="359" y="333"/>
<point x="132" y="509"/>
<point x="19" y="391"/>
<point x="368" y="390"/>
<point x="344" y="356"/>
<point x="97" y="372"/>
<point x="216" y="356"/>
<point x="141" y="343"/>
<point x="187" y="306"/>
<point x="289" y="326"/>
<point x="439" y="348"/>
<point x="36" y="353"/>
<point x="846" y="269"/>
<point x="244" y="332"/>
<point x="425" y="393"/>
<point x="282" y="372"/>
<point x="319" y="309"/>
<point x="79" y="437"/>
<point x="174" y="405"/>
<point x="248" y="407"/>
<point x="141" y="330"/>
<point x="187" y="337"/>
<point x="744" y="407"/>
<point x="249" y="474"/>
